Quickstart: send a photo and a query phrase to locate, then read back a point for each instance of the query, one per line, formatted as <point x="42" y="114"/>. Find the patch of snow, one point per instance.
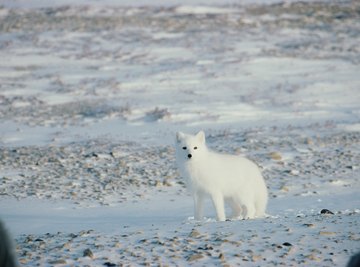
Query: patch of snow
<point x="89" y="109"/>
<point x="200" y="10"/>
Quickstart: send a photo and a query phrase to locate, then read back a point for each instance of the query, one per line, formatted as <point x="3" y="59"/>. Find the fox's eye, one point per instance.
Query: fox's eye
<point x="184" y="147"/>
<point x="195" y="147"/>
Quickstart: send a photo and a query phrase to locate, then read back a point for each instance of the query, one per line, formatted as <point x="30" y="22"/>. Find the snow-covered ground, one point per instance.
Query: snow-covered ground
<point x="91" y="96"/>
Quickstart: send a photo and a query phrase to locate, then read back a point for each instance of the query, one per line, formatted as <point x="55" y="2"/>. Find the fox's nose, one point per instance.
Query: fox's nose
<point x="189" y="156"/>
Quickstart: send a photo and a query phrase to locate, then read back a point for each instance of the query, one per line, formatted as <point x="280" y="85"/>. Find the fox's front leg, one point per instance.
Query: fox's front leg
<point x="199" y="206"/>
<point x="218" y="201"/>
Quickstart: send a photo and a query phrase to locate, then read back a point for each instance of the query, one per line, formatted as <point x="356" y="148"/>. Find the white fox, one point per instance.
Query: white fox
<point x="230" y="179"/>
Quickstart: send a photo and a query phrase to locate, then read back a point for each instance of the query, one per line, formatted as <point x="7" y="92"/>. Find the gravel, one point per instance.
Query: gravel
<point x="298" y="162"/>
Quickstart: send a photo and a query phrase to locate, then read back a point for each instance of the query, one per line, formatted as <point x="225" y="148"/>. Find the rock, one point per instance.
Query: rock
<point x="354" y="237"/>
<point x="73" y="235"/>
<point x="221" y="240"/>
<point x="29" y="239"/>
<point x="276" y="246"/>
<point x="194" y="233"/>
<point x="310" y="225"/>
<point x="117" y="245"/>
<point x="195" y="257"/>
<point x="284" y="188"/>
<point x="221" y="257"/>
<point x="275" y="156"/>
<point x="60" y="261"/>
<point x="23" y="261"/>
<point x="206" y="247"/>
<point x="85" y="232"/>
<point x="256" y="257"/>
<point x="294" y="172"/>
<point x="88" y="253"/>
<point x="327" y="233"/>
<point x="309" y="141"/>
<point x="313" y="257"/>
<point x="326" y="212"/>
<point x="352" y="167"/>
<point x="287" y="244"/>
<point x="109" y="264"/>
<point x="166" y="182"/>
<point x="290" y="250"/>
<point x="66" y="245"/>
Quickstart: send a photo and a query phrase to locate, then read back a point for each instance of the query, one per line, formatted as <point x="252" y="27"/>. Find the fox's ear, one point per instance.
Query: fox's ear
<point x="201" y="136"/>
<point x="179" y="136"/>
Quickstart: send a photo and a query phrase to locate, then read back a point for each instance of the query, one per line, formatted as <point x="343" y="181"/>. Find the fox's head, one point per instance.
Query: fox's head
<point x="189" y="146"/>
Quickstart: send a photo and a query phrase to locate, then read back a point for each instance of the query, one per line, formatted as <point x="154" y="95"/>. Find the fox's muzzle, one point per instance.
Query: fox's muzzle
<point x="189" y="156"/>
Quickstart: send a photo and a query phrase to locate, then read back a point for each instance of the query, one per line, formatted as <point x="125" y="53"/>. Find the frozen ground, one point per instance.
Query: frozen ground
<point x="92" y="95"/>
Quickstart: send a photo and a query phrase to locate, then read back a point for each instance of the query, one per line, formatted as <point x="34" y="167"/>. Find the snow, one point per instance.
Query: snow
<point x="92" y="94"/>
<point x="199" y="4"/>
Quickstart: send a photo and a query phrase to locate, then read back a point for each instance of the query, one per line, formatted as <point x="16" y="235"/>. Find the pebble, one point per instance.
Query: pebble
<point x="354" y="237"/>
<point x="195" y="257"/>
<point x="313" y="257"/>
<point x="23" y="261"/>
<point x="309" y="141"/>
<point x="206" y="247"/>
<point x="118" y="245"/>
<point x="96" y="176"/>
<point x="284" y="188"/>
<point x="256" y="258"/>
<point x="326" y="212"/>
<point x="275" y="156"/>
<point x="221" y="257"/>
<point x="60" y="261"/>
<point x="88" y="253"/>
<point x="66" y="245"/>
<point x="167" y="182"/>
<point x="327" y="233"/>
<point x="194" y="233"/>
<point x="109" y="264"/>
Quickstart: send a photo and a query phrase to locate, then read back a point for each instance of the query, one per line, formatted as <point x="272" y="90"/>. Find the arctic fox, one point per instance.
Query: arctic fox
<point x="230" y="179"/>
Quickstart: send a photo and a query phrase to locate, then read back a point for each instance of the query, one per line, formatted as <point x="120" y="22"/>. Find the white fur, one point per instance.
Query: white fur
<point x="230" y="179"/>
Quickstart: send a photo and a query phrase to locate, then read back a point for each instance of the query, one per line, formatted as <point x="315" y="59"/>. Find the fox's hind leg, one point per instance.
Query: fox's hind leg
<point x="260" y="208"/>
<point x="249" y="211"/>
<point x="261" y="202"/>
<point x="236" y="208"/>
